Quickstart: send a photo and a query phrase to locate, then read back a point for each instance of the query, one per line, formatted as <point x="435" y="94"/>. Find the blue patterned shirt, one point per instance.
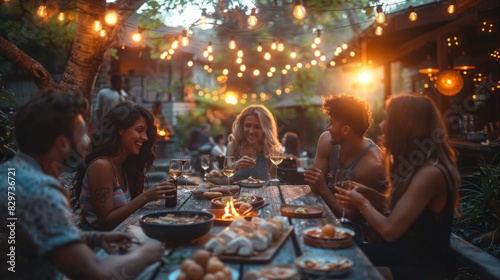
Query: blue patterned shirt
<point x="42" y="219"/>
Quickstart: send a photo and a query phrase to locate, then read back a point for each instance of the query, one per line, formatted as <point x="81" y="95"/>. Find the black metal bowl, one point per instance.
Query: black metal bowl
<point x="177" y="232"/>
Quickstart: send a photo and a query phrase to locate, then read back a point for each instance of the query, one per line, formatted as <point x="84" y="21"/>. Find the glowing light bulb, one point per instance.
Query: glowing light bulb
<point x="273" y="45"/>
<point x="240" y="53"/>
<point x="97" y="26"/>
<point x="111" y="17"/>
<point x="175" y="44"/>
<point x="232" y="43"/>
<point x="267" y="56"/>
<point x="102" y="33"/>
<point x="299" y="12"/>
<point x="281" y="46"/>
<point x="42" y="11"/>
<point x="184" y="38"/>
<point x="413" y="15"/>
<point x="210" y="49"/>
<point x="256" y="72"/>
<point x="259" y="47"/>
<point x="380" y="17"/>
<point x="137" y="37"/>
<point x="252" y="19"/>
<point x="451" y="8"/>
<point x="317" y="40"/>
<point x="293" y="54"/>
<point x="379" y="30"/>
<point x="61" y="16"/>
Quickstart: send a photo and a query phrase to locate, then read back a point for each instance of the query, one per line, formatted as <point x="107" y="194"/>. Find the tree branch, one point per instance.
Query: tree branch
<point x="28" y="65"/>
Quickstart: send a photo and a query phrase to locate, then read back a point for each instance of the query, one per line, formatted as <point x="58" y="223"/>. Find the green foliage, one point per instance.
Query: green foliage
<point x="479" y="208"/>
<point x="194" y="119"/>
<point x="7" y="109"/>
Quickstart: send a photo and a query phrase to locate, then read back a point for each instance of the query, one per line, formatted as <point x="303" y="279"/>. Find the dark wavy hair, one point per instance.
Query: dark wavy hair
<point x="48" y="115"/>
<point x="105" y="141"/>
<point x="350" y="110"/>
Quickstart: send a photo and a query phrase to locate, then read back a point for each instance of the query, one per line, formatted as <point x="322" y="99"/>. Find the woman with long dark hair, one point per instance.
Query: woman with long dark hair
<point x="423" y="179"/>
<point x="111" y="187"/>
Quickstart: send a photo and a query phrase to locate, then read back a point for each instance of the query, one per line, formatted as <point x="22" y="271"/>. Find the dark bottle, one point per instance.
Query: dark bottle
<point x="172" y="201"/>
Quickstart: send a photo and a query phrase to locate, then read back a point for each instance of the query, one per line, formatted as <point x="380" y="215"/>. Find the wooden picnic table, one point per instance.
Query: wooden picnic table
<point x="292" y="247"/>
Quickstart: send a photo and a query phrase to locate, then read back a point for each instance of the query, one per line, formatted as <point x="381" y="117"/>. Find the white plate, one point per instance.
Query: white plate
<point x="173" y="275"/>
<point x="325" y="259"/>
<point x="246" y="184"/>
<point x="339" y="229"/>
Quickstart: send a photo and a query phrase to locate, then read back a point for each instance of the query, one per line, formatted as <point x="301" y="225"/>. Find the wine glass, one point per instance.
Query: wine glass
<point x="343" y="180"/>
<point x="229" y="167"/>
<point x="175" y="169"/>
<point x="276" y="156"/>
<point x="205" y="164"/>
<point x="186" y="172"/>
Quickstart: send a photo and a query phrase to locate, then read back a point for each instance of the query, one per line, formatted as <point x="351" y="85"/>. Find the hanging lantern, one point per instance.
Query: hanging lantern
<point x="449" y="82"/>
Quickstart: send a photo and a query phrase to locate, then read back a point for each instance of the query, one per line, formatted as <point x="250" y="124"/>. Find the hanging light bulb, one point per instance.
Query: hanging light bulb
<point x="184" y="38"/>
<point x="232" y="43"/>
<point x="259" y="47"/>
<point x="299" y="12"/>
<point x="102" y="33"/>
<point x="97" y="26"/>
<point x="239" y="60"/>
<point x="42" y="10"/>
<point x="413" y="15"/>
<point x="281" y="46"/>
<point x="205" y="53"/>
<point x="111" y="17"/>
<point x="175" y="44"/>
<point x="380" y="18"/>
<point x="293" y="54"/>
<point x="252" y="19"/>
<point x="344" y="46"/>
<point x="240" y="53"/>
<point x="273" y="45"/>
<point x="61" y="16"/>
<point x="210" y="49"/>
<point x="243" y="68"/>
<point x="451" y="7"/>
<point x="317" y="40"/>
<point x="267" y="56"/>
<point x="379" y="30"/>
<point x="137" y="37"/>
<point x="210" y="58"/>
<point x="203" y="19"/>
<point x="317" y="53"/>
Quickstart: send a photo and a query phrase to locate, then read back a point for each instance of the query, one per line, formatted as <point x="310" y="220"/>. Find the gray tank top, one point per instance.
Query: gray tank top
<point x="334" y="165"/>
<point x="259" y="171"/>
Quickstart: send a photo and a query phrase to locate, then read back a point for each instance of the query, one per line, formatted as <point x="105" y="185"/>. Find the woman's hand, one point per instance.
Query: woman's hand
<point x="245" y="162"/>
<point x="160" y="191"/>
<point x="350" y="198"/>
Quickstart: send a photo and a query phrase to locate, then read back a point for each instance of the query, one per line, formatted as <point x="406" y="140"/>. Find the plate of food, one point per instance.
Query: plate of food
<point x="328" y="236"/>
<point x="301" y="211"/>
<point x="251" y="183"/>
<point x="327" y="266"/>
<point x="216" y="177"/>
<point x="221" y="220"/>
<point x="255" y="201"/>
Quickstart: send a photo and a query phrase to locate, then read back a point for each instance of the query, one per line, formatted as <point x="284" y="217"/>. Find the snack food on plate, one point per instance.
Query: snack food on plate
<point x="203" y="266"/>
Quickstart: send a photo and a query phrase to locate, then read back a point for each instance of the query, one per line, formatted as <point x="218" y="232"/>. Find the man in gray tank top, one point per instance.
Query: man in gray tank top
<point x="343" y="146"/>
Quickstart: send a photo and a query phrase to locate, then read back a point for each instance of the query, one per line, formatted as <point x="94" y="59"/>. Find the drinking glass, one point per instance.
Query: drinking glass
<point x="205" y="164"/>
<point x="186" y="172"/>
<point x="343" y="180"/>
<point x="276" y="156"/>
<point x="229" y="167"/>
<point x="174" y="171"/>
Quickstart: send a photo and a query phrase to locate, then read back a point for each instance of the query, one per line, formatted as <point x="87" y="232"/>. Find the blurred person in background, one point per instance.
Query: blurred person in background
<point x="107" y="98"/>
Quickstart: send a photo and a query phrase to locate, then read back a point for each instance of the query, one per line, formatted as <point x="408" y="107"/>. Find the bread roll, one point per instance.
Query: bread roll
<point x="216" y="245"/>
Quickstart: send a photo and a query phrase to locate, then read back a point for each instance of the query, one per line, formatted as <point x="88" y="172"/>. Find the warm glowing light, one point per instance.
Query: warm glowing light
<point x="338" y="50"/>
<point x="240" y="53"/>
<point x="332" y="63"/>
<point x="413" y="15"/>
<point x="243" y="68"/>
<point x="111" y="16"/>
<point x="352" y="54"/>
<point x="203" y="19"/>
<point x="252" y="19"/>
<point x="288" y="67"/>
<point x="184" y="38"/>
<point x="102" y="33"/>
<point x="205" y="53"/>
<point x="269" y="74"/>
<point x="171" y="51"/>
<point x="451" y="8"/>
<point x="379" y="30"/>
<point x="163" y="55"/>
<point x="267" y="56"/>
<point x="239" y="74"/>
<point x="256" y="72"/>
<point x="317" y="40"/>
<point x="210" y="49"/>
<point x="284" y="71"/>
<point x="317" y="53"/>
<point x="299" y="12"/>
<point x="365" y="77"/>
<point x="259" y="47"/>
<point x="293" y="54"/>
<point x="281" y="46"/>
<point x="299" y="65"/>
<point x="42" y="11"/>
<point x="61" y="16"/>
<point x="210" y="58"/>
<point x="273" y="45"/>
<point x="344" y="46"/>
<point x="232" y="43"/>
<point x="175" y="44"/>
<point x="137" y="37"/>
<point x="97" y="26"/>
<point x="225" y="71"/>
<point x="380" y="18"/>
<point x="190" y="63"/>
<point x="239" y="60"/>
<point x="231" y="98"/>
<point x="272" y="69"/>
<point x="322" y="58"/>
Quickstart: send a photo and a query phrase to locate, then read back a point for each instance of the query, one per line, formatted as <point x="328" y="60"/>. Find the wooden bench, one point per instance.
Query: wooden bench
<point x="483" y="263"/>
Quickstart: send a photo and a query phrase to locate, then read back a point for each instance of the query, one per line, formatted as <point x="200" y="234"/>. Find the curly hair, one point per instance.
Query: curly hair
<point x="350" y="110"/>
<point x="106" y="141"/>
<point x="266" y="120"/>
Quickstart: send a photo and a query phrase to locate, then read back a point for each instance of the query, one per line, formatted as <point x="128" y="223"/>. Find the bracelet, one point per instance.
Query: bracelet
<point x="90" y="239"/>
<point x="367" y="203"/>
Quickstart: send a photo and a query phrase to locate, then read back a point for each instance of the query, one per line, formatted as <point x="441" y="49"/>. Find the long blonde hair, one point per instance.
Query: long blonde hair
<point x="415" y="134"/>
<point x="266" y="120"/>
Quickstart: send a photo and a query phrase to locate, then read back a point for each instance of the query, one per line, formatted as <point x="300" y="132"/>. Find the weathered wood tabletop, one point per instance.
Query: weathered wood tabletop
<point x="292" y="247"/>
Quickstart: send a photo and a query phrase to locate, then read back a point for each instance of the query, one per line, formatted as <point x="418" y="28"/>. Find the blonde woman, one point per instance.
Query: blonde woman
<point x="254" y="133"/>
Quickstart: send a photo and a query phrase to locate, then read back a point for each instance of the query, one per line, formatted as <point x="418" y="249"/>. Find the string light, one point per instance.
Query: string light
<point x="379" y="30"/>
<point x="97" y="26"/>
<point x="259" y="47"/>
<point x="252" y="19"/>
<point x="267" y="56"/>
<point x="273" y="45"/>
<point x="299" y="12"/>
<point x="137" y="37"/>
<point x="281" y="46"/>
<point x="42" y="10"/>
<point x="317" y="40"/>
<point x="413" y="15"/>
<point x="203" y="20"/>
<point x="451" y="7"/>
<point x="61" y="16"/>
<point x="210" y="49"/>
<point x="205" y="52"/>
<point x="232" y="43"/>
<point x="293" y="54"/>
<point x="102" y="33"/>
<point x="111" y="17"/>
<point x="240" y="53"/>
<point x="175" y="44"/>
<point x="184" y="38"/>
<point x="380" y="18"/>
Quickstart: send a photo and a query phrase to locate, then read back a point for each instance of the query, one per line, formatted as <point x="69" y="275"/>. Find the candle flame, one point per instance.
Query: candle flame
<point x="230" y="211"/>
